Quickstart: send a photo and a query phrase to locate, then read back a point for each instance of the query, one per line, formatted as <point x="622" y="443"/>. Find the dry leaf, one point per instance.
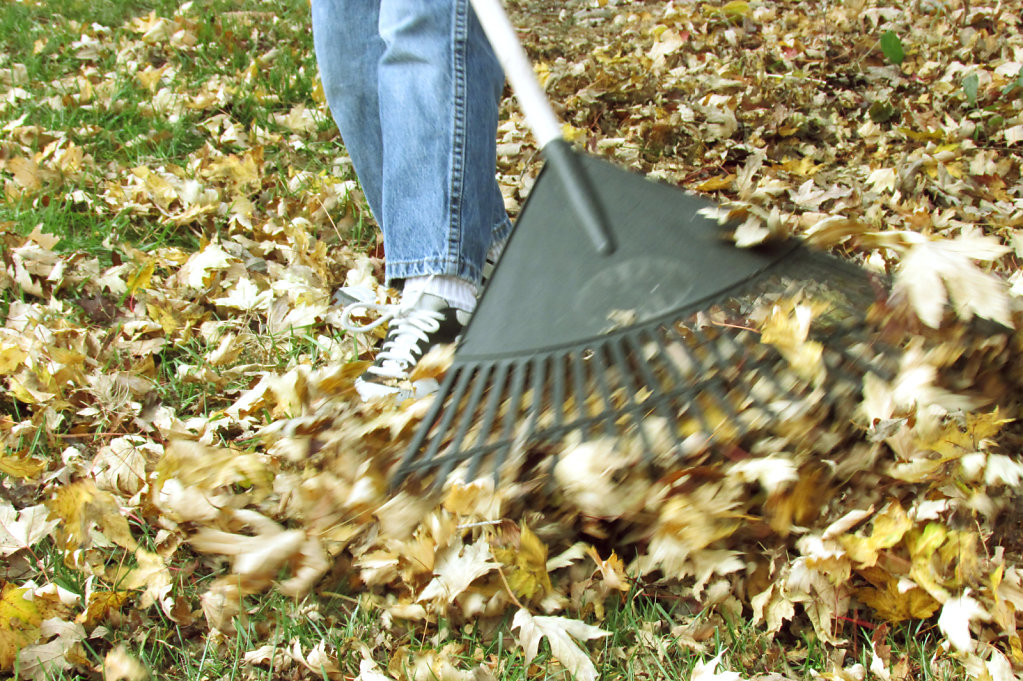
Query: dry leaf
<point x="561" y="634"/>
<point x="119" y="665"/>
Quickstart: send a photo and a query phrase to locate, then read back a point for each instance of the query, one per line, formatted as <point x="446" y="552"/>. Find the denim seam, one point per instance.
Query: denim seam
<point x="460" y="45"/>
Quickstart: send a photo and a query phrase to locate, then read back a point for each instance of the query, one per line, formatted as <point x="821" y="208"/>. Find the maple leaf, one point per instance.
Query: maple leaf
<point x="23" y="529"/>
<point x="528" y="575"/>
<point x="894" y="599"/>
<point x="246" y="296"/>
<point x="890" y="525"/>
<point x="88" y="513"/>
<point x="707" y="671"/>
<point x="370" y="671"/>
<point x="788" y="328"/>
<point x="151" y="574"/>
<point x="19" y="623"/>
<point x="932" y="272"/>
<point x="194" y="272"/>
<point x="120" y="466"/>
<point x="99" y="604"/>
<point x="955" y="618"/>
<point x="119" y="665"/>
<point x="457" y="568"/>
<point x="561" y="634"/>
<point x="45" y="660"/>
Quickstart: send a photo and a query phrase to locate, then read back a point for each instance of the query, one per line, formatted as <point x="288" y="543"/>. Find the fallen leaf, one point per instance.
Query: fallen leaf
<point x="561" y="634"/>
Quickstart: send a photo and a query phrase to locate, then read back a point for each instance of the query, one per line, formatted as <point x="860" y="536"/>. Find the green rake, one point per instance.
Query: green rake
<point x="640" y="322"/>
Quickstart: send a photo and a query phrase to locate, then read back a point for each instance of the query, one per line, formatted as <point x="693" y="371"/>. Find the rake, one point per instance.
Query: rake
<point x="619" y="310"/>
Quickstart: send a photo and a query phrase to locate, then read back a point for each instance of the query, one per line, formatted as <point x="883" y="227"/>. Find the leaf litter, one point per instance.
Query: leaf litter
<point x="895" y="502"/>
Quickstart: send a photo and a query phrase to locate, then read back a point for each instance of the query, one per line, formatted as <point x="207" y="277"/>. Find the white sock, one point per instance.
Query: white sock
<point x="458" y="292"/>
<point x="495" y="250"/>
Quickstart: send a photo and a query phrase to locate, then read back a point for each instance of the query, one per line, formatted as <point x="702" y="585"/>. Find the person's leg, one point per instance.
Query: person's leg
<point x="439" y="87"/>
<point x="348" y="51"/>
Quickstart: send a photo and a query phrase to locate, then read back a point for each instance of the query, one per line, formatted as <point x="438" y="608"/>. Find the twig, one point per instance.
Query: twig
<point x="735" y="326"/>
<point x="508" y="587"/>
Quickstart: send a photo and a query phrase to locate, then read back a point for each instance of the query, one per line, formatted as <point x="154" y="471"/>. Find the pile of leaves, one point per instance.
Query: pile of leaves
<point x="175" y="414"/>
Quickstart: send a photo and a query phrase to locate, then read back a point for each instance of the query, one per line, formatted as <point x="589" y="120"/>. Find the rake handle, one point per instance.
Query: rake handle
<point x="544" y="123"/>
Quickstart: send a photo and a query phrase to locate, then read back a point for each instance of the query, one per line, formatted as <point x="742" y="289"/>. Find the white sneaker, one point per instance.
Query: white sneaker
<point x="416" y="327"/>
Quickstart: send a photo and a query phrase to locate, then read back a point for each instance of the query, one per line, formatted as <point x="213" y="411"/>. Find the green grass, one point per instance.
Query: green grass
<point x="118" y="125"/>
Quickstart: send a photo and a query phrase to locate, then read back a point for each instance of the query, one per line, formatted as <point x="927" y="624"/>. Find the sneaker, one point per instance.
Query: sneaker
<point x="416" y="327"/>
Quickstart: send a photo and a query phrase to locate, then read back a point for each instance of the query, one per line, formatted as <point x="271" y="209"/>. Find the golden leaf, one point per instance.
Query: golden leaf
<point x="83" y="508"/>
<point x="19" y="624"/>
<point x="12" y="358"/>
<point x="118" y="665"/>
<point x="889" y="527"/>
<point x="788" y="328"/>
<point x="99" y="607"/>
<point x="715" y="183"/>
<point x="24" y="468"/>
<point x="892" y="603"/>
<point x="141" y="277"/>
<point x="528" y="561"/>
<point x="150" y="574"/>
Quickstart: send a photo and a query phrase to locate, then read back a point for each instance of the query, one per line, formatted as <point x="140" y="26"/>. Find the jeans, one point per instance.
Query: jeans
<point x="414" y="87"/>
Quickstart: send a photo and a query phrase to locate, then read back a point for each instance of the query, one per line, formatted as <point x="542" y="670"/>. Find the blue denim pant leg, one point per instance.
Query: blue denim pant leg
<point x="414" y="87"/>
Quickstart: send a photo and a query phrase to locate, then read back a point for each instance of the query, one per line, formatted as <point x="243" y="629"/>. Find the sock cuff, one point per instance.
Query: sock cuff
<point x="459" y="293"/>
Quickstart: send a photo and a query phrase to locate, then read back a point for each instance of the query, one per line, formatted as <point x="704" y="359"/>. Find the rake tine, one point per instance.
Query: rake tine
<point x="557" y="391"/>
<point x="431" y="460"/>
<point x="763" y="370"/>
<point x="536" y="410"/>
<point x="711" y="386"/>
<point x="719" y="362"/>
<point x="600" y="369"/>
<point x="631" y="394"/>
<point x="518" y="385"/>
<point x="489" y="412"/>
<point x="579" y="381"/>
<point x="406" y="466"/>
<point x="650" y="378"/>
<point x="687" y="391"/>
<point x="558" y="426"/>
<point x="479" y="377"/>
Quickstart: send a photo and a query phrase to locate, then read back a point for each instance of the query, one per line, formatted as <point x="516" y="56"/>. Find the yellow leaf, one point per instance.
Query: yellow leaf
<point x="788" y="329"/>
<point x="736" y="8"/>
<point x="923" y="545"/>
<point x="528" y="575"/>
<point x="572" y="133"/>
<point x="611" y="570"/>
<point x="83" y="508"/>
<point x="804" y="167"/>
<point x="715" y="183"/>
<point x="733" y="11"/>
<point x="317" y="94"/>
<point x="955" y="440"/>
<point x="169" y="319"/>
<point x="890" y="526"/>
<point x="101" y="604"/>
<point x="890" y="602"/>
<point x="141" y="277"/>
<point x="11" y="358"/>
<point x="27" y="393"/>
<point x="24" y="468"/>
<point x="151" y="573"/>
<point x="19" y="624"/>
<point x="26" y="172"/>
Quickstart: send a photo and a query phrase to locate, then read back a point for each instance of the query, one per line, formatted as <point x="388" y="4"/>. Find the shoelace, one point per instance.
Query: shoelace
<point x="409" y="327"/>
